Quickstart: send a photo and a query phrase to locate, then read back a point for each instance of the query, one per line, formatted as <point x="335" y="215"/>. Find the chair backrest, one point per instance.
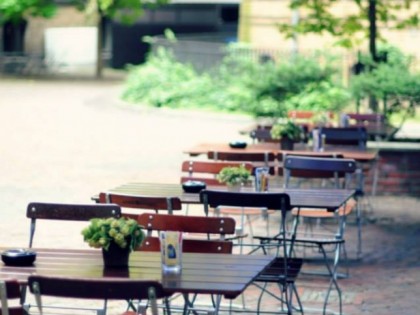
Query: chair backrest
<point x="103" y="288"/>
<point x="300" y="114"/>
<point x="215" y="228"/>
<point x="262" y="135"/>
<point x="356" y="136"/>
<point x="316" y="167"/>
<point x="168" y="204"/>
<point x="68" y="212"/>
<point x="268" y="200"/>
<point x="265" y="157"/>
<point x="206" y="171"/>
<point x="332" y="155"/>
<point x="305" y="114"/>
<point x="10" y="290"/>
<point x="362" y="119"/>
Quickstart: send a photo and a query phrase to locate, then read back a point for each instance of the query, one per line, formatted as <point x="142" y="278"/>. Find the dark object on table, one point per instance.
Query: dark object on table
<point x="18" y="257"/>
<point x="192" y="186"/>
<point x="238" y="145"/>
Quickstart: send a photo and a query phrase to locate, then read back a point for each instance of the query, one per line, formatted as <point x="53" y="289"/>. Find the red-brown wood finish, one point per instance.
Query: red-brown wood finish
<point x="224" y="274"/>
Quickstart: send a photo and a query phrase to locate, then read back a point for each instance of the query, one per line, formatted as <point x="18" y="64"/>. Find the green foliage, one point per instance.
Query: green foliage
<point x="124" y="232"/>
<point x="286" y="128"/>
<point x="125" y="11"/>
<point x="320" y="97"/>
<point x="238" y="84"/>
<point x="16" y="11"/>
<point x="234" y="175"/>
<point x="163" y="81"/>
<point x="287" y="79"/>
<point x="391" y="81"/>
<point x="321" y="17"/>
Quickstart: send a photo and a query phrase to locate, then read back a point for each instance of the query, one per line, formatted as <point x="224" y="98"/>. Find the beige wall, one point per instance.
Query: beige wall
<point x="258" y="26"/>
<point x="66" y="16"/>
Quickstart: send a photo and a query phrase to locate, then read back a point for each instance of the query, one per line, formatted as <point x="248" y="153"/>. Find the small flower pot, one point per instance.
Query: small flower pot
<point x="115" y="256"/>
<point x="234" y="187"/>
<point x="286" y="144"/>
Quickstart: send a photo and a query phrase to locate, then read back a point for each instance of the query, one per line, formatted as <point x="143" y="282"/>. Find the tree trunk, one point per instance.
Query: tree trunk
<point x="373" y="103"/>
<point x="372" y="29"/>
<point x="99" y="64"/>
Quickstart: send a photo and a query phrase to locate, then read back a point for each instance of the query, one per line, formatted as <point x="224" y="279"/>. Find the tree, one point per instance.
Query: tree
<point x="15" y="11"/>
<point x="13" y="18"/>
<point x="353" y="28"/>
<point x="391" y="83"/>
<point x="125" y="11"/>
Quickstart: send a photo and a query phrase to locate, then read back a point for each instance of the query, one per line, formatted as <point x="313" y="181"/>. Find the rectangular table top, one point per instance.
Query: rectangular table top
<point x="330" y="199"/>
<point x="225" y="274"/>
<point x="348" y="152"/>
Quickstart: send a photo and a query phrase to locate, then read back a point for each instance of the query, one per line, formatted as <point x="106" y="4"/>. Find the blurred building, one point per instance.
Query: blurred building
<point x="206" y="22"/>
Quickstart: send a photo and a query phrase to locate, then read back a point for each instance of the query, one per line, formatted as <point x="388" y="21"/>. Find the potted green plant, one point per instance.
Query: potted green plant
<point x="116" y="237"/>
<point x="234" y="176"/>
<point x="288" y="133"/>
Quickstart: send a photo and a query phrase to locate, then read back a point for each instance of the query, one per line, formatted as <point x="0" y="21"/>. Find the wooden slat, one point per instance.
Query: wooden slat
<point x="367" y="155"/>
<point x="225" y="274"/>
<point x="316" y="198"/>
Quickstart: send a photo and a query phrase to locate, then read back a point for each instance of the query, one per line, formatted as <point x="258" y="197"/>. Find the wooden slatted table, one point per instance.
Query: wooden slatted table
<point x="368" y="155"/>
<point x="330" y="199"/>
<point x="224" y="274"/>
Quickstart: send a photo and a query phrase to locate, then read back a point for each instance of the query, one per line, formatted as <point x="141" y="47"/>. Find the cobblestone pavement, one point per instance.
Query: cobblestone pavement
<point x="64" y="141"/>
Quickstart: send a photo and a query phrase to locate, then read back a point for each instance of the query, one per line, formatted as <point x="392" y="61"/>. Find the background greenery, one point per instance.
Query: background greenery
<point x="395" y="87"/>
<point x="276" y="85"/>
<point x="239" y="84"/>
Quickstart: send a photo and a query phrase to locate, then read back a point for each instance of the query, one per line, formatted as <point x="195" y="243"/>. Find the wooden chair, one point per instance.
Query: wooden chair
<point x="10" y="290"/>
<point x="100" y="289"/>
<point x="267" y="159"/>
<point x="210" y="232"/>
<point x="365" y="119"/>
<point x="206" y="171"/>
<point x="67" y="212"/>
<point x="234" y="159"/>
<point x="357" y="137"/>
<point x="285" y="269"/>
<point x="167" y="204"/>
<point x="262" y="135"/>
<point x="201" y="235"/>
<point x="376" y="124"/>
<point x="305" y="115"/>
<point x="341" y="171"/>
<point x="305" y="119"/>
<point x="283" y="156"/>
<point x="353" y="136"/>
<point x="258" y="159"/>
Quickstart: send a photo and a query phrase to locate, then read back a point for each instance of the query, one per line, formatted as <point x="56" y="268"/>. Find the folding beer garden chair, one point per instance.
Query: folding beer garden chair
<point x="67" y="212"/>
<point x="97" y="289"/>
<point x="10" y="291"/>
<point x="257" y="159"/>
<point x="156" y="204"/>
<point x="284" y="271"/>
<point x="201" y="235"/>
<point x="329" y="239"/>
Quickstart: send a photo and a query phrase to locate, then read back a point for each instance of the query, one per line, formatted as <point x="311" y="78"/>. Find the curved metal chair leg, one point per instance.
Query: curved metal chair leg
<point x="333" y="279"/>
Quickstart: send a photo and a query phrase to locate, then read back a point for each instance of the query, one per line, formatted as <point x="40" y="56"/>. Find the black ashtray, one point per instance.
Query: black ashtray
<point x="18" y="257"/>
<point x="237" y="144"/>
<point x="193" y="186"/>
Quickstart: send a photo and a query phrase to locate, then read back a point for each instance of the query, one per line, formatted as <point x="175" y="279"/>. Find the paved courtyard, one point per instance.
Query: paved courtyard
<point x="64" y="141"/>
